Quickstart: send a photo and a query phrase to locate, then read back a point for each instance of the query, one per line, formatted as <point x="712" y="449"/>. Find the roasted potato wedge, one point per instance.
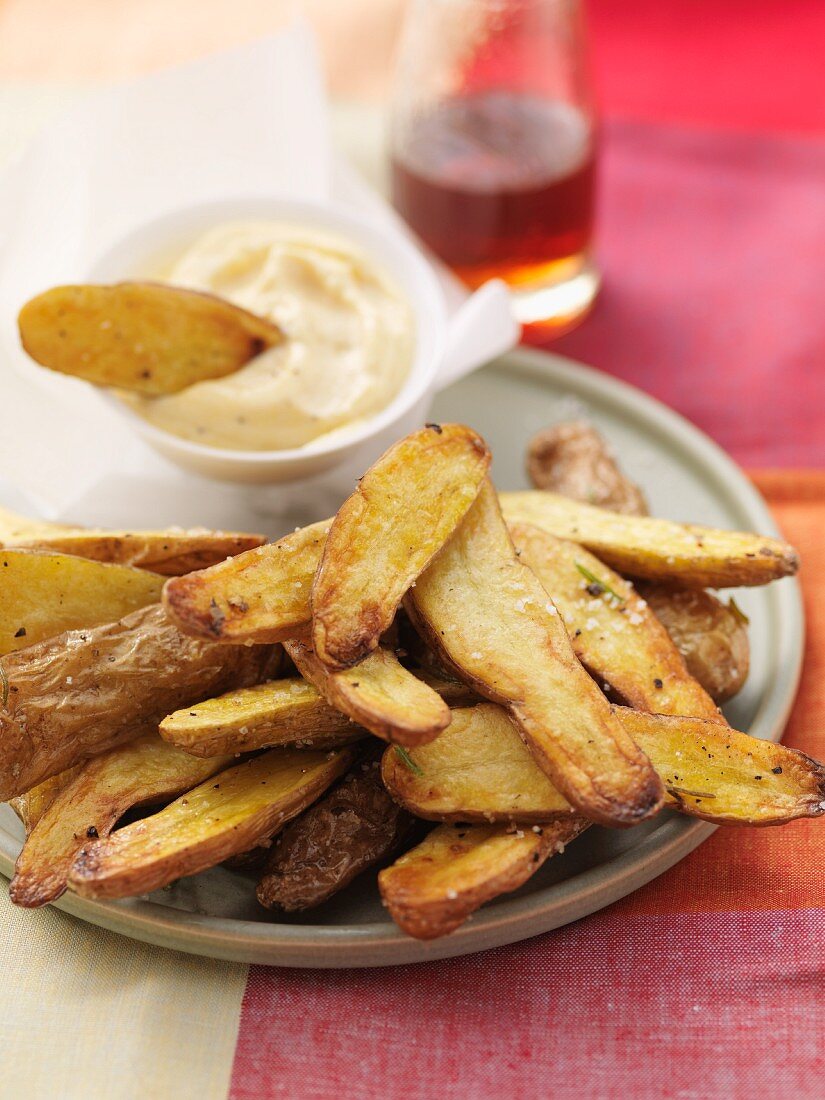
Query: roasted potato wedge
<point x="403" y="510"/>
<point x="168" y="553"/>
<point x="710" y="635"/>
<point x="613" y="632"/>
<point x="433" y="888"/>
<point x="138" y="774"/>
<point x="31" y="806"/>
<point x="44" y="594"/>
<point x="281" y="712"/>
<point x="353" y="827"/>
<point x="148" y="338"/>
<point x="479" y="770"/>
<point x="259" y="596"/>
<point x="572" y="459"/>
<point x="86" y="691"/>
<point x="379" y="694"/>
<point x="487" y="616"/>
<point x="657" y="549"/>
<point x="224" y="816"/>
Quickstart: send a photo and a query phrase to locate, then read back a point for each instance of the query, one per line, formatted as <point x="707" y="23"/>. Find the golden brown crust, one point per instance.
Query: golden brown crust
<point x="613" y="632"/>
<point x="379" y="694"/>
<point x="486" y="615"/>
<point x="403" y="510"/>
<point x="222" y="817"/>
<point x="260" y="596"/>
<point x="144" y="772"/>
<point x="149" y="338"/>
<point x="432" y="889"/>
<point x="479" y="770"/>
<point x="657" y="549"/>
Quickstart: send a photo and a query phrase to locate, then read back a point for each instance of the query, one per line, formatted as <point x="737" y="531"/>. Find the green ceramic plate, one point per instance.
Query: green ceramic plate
<point x="686" y="476"/>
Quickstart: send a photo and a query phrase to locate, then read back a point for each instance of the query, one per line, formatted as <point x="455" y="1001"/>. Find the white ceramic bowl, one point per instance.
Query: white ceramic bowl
<point x="141" y="251"/>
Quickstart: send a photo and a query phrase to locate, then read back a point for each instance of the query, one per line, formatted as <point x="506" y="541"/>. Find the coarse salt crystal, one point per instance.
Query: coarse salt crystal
<point x="452" y="894"/>
<point x="69" y="680"/>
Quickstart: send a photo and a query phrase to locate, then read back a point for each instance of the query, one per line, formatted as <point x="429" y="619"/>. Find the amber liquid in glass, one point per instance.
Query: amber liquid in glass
<point x="500" y="184"/>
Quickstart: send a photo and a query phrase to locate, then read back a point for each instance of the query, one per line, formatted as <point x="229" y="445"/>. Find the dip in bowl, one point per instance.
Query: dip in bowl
<point x="364" y="320"/>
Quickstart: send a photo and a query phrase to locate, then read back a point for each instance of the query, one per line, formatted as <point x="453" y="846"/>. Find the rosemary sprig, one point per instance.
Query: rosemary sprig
<point x="593" y="579"/>
<point x="738" y="613"/>
<point x="694" y="794"/>
<point x="4" y="684"/>
<point x="408" y="760"/>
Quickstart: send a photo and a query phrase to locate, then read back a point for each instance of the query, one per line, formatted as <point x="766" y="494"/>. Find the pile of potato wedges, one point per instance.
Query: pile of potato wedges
<point x="443" y="682"/>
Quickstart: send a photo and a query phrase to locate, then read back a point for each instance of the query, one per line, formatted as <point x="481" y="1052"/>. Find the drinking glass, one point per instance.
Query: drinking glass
<point x="493" y="147"/>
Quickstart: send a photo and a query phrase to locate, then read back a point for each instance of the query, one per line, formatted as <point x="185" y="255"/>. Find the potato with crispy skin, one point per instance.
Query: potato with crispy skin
<point x="657" y="549"/>
<point x="44" y="594"/>
<point x="711" y="636"/>
<point x="572" y="459"/>
<point x="141" y="773"/>
<point x="433" y="888"/>
<point x="148" y="338"/>
<point x="403" y="510"/>
<point x="224" y="816"/>
<point x="486" y="614"/>
<point x="168" y="552"/>
<point x="83" y="692"/>
<point x="353" y="827"/>
<point x="260" y="596"/>
<point x="31" y="806"/>
<point x="479" y="770"/>
<point x="281" y="712"/>
<point x="379" y="694"/>
<point x="613" y="632"/>
<point x="264" y="594"/>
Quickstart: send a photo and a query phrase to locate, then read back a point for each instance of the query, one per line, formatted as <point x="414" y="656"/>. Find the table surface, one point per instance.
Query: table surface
<point x="718" y="970"/>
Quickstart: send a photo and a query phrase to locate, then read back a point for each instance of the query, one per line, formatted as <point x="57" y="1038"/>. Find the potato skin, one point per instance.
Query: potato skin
<point x="147" y="337"/>
<point x="352" y="828"/>
<point x="85" y="691"/>
<point x="708" y="634"/>
<point x="572" y="459"/>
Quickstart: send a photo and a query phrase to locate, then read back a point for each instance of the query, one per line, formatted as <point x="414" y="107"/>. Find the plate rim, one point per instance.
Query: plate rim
<point x="510" y="919"/>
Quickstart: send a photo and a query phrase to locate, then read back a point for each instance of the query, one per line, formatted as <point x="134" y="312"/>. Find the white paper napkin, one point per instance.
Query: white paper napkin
<point x="251" y="122"/>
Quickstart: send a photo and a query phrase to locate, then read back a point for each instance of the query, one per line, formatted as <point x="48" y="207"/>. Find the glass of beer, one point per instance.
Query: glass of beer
<point x="493" y="146"/>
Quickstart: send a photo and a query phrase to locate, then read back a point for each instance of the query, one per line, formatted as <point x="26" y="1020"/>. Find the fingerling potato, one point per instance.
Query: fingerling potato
<point x="403" y="510"/>
<point x="148" y="338"/>
<point x="224" y="816"/>
<point x="43" y="594"/>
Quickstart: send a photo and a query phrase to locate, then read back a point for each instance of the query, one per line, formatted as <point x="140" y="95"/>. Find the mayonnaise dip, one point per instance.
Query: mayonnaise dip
<point x="349" y="338"/>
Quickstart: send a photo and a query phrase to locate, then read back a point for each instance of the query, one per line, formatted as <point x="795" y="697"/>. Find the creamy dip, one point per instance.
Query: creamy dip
<point x="349" y="338"/>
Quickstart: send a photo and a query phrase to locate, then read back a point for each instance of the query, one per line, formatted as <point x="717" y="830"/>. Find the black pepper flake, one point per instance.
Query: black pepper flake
<point x="21" y="633"/>
<point x="92" y="831"/>
<point x="757" y="777"/>
<point x="657" y="683"/>
<point x="777" y="771"/>
<point x="435" y="427"/>
<point x="595" y="589"/>
<point x="577" y="633"/>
